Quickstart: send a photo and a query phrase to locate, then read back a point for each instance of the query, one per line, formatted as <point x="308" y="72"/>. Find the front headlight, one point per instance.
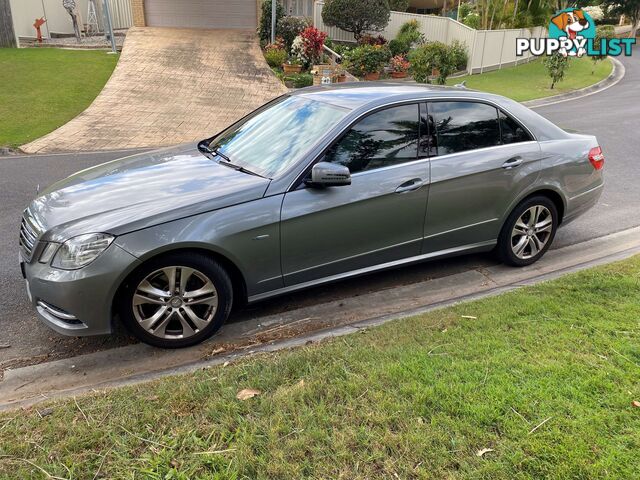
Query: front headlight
<point x="80" y="251"/>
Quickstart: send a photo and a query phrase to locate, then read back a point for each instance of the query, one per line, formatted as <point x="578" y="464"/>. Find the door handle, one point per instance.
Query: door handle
<point x="410" y="186"/>
<point x="513" y="163"/>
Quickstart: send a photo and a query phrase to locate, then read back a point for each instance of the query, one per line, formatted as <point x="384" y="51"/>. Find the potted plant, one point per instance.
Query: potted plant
<point x="367" y="60"/>
<point x="372" y="76"/>
<point x="292" y="65"/>
<point x="399" y="66"/>
<point x="341" y="75"/>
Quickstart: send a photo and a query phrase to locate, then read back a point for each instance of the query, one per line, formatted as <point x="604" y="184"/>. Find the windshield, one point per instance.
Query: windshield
<point x="275" y="138"/>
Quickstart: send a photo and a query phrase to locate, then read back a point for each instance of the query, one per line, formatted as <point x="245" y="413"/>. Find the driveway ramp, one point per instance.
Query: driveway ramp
<point x="171" y="85"/>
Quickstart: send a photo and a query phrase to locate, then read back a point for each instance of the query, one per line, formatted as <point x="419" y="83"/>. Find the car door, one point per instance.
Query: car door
<point x="481" y="159"/>
<point x="379" y="218"/>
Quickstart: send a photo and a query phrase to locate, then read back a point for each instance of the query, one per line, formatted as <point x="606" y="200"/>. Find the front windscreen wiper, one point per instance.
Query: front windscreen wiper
<point x="203" y="147"/>
<point x="220" y="154"/>
<point x="227" y="163"/>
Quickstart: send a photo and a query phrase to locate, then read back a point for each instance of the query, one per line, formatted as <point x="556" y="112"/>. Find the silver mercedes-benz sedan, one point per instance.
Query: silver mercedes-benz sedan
<point x="316" y="186"/>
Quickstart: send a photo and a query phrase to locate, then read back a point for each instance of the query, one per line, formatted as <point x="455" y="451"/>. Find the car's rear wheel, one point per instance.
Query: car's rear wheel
<point x="176" y="300"/>
<point x="528" y="232"/>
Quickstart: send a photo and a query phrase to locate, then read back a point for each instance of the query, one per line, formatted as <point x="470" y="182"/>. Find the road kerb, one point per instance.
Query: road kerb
<point x="139" y="363"/>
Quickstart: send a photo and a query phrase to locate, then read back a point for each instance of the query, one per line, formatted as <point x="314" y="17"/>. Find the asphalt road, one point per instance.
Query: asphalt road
<point x="613" y="116"/>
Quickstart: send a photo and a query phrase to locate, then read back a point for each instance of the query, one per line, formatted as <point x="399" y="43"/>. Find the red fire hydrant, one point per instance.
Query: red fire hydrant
<point x="39" y="22"/>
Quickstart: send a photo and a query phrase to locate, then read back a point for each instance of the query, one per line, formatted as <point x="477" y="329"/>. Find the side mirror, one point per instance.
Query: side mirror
<point x="325" y="174"/>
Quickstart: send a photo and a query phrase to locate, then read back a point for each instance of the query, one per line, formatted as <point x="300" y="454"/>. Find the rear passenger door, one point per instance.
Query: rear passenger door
<point x="480" y="160"/>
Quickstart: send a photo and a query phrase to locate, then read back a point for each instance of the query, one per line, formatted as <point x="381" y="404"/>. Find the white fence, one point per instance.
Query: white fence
<point x="25" y="12"/>
<point x="487" y="49"/>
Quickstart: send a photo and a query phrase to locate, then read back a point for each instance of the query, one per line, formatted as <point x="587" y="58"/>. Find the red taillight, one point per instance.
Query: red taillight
<point x="596" y="158"/>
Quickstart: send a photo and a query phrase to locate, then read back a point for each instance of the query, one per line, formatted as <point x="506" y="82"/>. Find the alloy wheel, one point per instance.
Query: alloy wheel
<point x="531" y="232"/>
<point x="175" y="302"/>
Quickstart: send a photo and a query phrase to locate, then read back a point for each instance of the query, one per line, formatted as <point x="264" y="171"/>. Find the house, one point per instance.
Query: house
<point x="426" y="7"/>
<point x="230" y="14"/>
<point x="241" y="14"/>
<point x="59" y="23"/>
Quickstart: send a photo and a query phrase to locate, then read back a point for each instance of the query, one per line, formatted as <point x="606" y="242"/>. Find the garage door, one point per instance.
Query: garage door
<point x="201" y="13"/>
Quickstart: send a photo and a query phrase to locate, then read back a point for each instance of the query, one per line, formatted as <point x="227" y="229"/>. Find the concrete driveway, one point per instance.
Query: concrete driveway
<point x="171" y="85"/>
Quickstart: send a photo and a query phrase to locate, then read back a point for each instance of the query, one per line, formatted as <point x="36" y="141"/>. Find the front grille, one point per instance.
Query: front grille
<point x="28" y="238"/>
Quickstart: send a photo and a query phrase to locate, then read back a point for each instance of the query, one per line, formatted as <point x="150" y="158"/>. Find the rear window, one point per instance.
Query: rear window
<point x="512" y="131"/>
<point x="462" y="126"/>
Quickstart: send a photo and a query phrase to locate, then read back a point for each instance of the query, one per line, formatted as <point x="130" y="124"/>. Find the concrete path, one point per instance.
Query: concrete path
<point x="170" y="86"/>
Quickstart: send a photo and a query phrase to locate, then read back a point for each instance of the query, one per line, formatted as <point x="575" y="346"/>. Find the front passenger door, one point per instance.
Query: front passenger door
<point x="377" y="219"/>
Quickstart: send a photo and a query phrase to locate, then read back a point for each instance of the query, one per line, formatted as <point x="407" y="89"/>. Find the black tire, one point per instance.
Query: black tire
<point x="505" y="248"/>
<point x="203" y="265"/>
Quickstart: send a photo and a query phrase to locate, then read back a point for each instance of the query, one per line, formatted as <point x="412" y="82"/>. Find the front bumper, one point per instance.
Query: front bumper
<point x="78" y="302"/>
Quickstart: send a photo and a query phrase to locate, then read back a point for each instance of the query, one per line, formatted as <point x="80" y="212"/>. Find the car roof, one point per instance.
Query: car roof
<point x="363" y="96"/>
<point x="360" y="94"/>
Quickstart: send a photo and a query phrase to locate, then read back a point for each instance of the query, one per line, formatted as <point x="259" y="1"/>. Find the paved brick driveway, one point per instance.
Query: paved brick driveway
<point x="170" y="86"/>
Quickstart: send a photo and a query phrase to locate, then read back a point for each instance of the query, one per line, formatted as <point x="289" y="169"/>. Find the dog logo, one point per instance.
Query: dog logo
<point x="572" y="33"/>
<point x="574" y="25"/>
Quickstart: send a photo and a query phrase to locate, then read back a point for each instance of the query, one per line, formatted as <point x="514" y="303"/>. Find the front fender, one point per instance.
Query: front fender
<point x="247" y="235"/>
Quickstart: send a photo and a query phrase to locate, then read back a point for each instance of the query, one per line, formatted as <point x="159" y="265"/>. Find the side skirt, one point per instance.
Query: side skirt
<point x="474" y="247"/>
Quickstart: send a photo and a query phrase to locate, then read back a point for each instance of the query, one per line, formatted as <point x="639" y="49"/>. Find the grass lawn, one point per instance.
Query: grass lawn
<point x="42" y="89"/>
<point x="530" y="81"/>
<point x="544" y="377"/>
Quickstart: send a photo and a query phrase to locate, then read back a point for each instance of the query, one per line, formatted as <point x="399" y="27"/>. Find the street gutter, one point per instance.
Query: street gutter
<point x="138" y="363"/>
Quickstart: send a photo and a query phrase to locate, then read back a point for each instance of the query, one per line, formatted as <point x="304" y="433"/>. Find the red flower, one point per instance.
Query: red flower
<point x="313" y="41"/>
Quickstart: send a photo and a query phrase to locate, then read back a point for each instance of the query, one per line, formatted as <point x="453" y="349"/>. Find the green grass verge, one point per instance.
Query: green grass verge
<point x="544" y="377"/>
<point x="42" y="89"/>
<point x="530" y="81"/>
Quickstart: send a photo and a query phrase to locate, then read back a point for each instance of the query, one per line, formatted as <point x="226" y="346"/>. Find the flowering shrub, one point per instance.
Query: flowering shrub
<point x="366" y="59"/>
<point x="433" y="56"/>
<point x="408" y="37"/>
<point x="368" y="39"/>
<point x="290" y="27"/>
<point x="400" y="64"/>
<point x="595" y="12"/>
<point x="472" y="20"/>
<point x="298" y="51"/>
<point x="275" y="57"/>
<point x="277" y="45"/>
<point x="313" y="43"/>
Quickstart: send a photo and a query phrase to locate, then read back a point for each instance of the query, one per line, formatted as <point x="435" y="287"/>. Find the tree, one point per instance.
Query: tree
<point x="602" y="31"/>
<point x="556" y="65"/>
<point x="264" y="29"/>
<point x="399" y="5"/>
<point x="628" y="8"/>
<point x="357" y="16"/>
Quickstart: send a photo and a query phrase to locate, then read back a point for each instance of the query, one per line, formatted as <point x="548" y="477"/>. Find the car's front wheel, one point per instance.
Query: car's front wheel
<point x="176" y="300"/>
<point x="528" y="232"/>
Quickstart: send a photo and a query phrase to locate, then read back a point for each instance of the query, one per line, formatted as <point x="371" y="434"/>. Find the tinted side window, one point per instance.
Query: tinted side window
<point x="462" y="126"/>
<point x="384" y="138"/>
<point x="512" y="131"/>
